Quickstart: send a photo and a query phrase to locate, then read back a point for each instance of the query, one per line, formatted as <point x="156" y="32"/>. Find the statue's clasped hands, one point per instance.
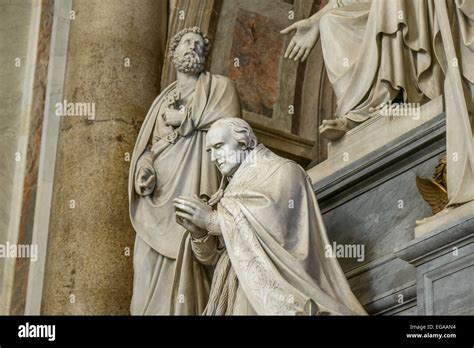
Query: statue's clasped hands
<point x="193" y="214"/>
<point x="307" y="33"/>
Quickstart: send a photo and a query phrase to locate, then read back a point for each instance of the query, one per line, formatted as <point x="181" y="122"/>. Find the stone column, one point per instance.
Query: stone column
<point x="115" y="56"/>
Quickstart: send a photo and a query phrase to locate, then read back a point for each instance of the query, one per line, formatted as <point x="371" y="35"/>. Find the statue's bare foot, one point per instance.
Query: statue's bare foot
<point x="335" y="129"/>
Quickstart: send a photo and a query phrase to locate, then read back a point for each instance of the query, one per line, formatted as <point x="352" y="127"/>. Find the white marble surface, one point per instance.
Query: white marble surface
<point x="369" y="137"/>
<point x="14" y="27"/>
<point x="49" y="140"/>
<point x="445" y="220"/>
<point x="19" y="21"/>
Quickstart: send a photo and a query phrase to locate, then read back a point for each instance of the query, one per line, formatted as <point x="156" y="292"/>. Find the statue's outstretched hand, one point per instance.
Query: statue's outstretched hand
<point x="307" y="33"/>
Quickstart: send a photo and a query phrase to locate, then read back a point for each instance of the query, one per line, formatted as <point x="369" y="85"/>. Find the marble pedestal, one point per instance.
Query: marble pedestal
<point x="367" y="193"/>
<point x="373" y="139"/>
<point x="444" y="262"/>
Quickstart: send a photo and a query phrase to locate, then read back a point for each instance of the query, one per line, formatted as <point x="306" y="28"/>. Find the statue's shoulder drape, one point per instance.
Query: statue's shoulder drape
<point x="276" y="239"/>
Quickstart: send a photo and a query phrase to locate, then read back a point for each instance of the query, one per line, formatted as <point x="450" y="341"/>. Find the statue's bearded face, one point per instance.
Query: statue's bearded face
<point x="226" y="152"/>
<point x="189" y="55"/>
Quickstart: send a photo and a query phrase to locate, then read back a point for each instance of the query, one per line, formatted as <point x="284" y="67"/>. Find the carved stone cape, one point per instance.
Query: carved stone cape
<point x="275" y="239"/>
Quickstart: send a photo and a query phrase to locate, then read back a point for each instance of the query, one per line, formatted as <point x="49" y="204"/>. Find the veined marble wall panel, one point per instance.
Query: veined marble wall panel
<point x="383" y="218"/>
<point x="15" y="20"/>
<point x="27" y="28"/>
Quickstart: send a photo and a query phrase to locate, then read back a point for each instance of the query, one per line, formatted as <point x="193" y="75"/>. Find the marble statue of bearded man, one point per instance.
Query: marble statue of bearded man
<point x="383" y="51"/>
<point x="264" y="232"/>
<point x="170" y="160"/>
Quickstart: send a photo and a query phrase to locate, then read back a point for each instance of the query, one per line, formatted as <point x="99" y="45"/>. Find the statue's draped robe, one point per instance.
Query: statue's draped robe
<point x="274" y="257"/>
<point x="375" y="50"/>
<point x="167" y="277"/>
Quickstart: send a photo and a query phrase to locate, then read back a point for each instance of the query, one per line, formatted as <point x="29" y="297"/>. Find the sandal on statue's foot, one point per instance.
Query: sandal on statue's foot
<point x="334" y="129"/>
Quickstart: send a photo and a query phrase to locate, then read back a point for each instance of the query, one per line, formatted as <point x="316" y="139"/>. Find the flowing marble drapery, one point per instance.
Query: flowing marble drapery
<point x="275" y="258"/>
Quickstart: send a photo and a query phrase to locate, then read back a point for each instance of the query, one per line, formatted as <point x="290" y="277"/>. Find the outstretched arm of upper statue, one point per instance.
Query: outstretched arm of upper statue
<point x="145" y="176"/>
<point x="307" y="34"/>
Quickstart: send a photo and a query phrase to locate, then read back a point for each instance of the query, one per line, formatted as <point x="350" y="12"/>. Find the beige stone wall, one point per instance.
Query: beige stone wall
<point x="87" y="270"/>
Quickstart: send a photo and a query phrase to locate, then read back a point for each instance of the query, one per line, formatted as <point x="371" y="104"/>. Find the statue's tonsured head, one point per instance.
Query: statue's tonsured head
<point x="229" y="140"/>
<point x="188" y="50"/>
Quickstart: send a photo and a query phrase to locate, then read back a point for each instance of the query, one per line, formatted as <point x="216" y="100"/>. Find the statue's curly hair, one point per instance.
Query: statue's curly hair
<point x="174" y="42"/>
<point x="241" y="131"/>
